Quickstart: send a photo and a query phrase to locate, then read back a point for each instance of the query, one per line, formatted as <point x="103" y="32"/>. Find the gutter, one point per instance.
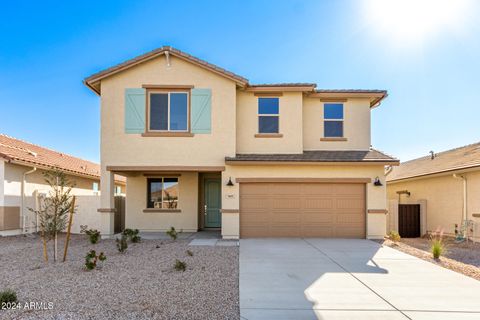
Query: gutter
<point x="464" y="211"/>
<point x="22" y="205"/>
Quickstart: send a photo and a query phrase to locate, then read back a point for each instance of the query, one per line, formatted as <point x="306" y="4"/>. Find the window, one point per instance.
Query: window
<point x="118" y="190"/>
<point x="162" y="193"/>
<point x="95" y="187"/>
<point x="333" y="120"/>
<point x="268" y="115"/>
<point x="168" y="111"/>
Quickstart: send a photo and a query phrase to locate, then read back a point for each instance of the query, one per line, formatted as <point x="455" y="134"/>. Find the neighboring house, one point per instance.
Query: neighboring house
<point x="264" y="160"/>
<point x="21" y="181"/>
<point x="436" y="192"/>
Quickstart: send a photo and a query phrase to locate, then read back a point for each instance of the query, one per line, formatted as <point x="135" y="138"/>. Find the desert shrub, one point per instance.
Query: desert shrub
<point x="437" y="247"/>
<point x="172" y="233"/>
<point x="190" y="253"/>
<point x="122" y="244"/>
<point x="180" y="265"/>
<point x="394" y="236"/>
<point x="132" y="235"/>
<point x="7" y="296"/>
<point x="93" y="234"/>
<point x="91" y="259"/>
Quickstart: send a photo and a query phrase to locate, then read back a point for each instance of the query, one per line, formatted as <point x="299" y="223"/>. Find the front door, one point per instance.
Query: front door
<point x="213" y="203"/>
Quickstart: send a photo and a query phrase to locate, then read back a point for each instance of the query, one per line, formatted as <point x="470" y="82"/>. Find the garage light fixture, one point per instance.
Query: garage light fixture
<point x="230" y="183"/>
<point x="377" y="182"/>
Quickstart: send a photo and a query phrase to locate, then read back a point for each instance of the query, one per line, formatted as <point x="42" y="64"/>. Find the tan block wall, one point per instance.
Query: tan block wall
<point x="444" y="198"/>
<point x="12" y="182"/>
<point x="136" y="201"/>
<point x="290" y="125"/>
<point x="356" y="125"/>
<point x="119" y="148"/>
<point x="376" y="196"/>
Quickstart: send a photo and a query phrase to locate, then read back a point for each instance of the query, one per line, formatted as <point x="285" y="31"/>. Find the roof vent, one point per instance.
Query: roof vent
<point x="30" y="152"/>
<point x="432" y="155"/>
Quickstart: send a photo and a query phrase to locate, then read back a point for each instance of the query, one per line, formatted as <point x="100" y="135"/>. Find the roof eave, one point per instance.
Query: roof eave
<point x="320" y="163"/>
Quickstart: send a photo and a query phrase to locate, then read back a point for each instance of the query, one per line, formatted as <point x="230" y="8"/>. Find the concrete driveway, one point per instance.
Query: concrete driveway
<point x="348" y="279"/>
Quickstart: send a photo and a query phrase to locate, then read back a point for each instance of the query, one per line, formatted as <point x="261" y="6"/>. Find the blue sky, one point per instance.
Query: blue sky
<point x="430" y="67"/>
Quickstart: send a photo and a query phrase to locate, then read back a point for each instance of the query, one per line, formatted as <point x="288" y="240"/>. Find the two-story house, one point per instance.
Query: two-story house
<point x="202" y="148"/>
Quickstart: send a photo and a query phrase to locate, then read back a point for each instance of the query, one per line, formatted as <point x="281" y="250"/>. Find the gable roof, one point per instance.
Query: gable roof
<point x="25" y="153"/>
<point x="93" y="80"/>
<point x="370" y="156"/>
<point x="451" y="160"/>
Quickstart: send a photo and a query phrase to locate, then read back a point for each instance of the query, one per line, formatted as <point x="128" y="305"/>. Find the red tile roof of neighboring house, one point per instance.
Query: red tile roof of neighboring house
<point x="466" y="157"/>
<point x="25" y="153"/>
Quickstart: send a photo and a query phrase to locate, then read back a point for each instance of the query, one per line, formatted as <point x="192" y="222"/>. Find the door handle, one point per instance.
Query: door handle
<point x="205" y="209"/>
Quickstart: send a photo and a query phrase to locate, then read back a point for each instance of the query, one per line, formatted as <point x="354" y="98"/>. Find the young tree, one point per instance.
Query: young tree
<point x="54" y="208"/>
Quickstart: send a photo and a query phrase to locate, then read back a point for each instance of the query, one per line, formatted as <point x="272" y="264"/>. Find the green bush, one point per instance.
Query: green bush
<point x="132" y="235"/>
<point x="437" y="248"/>
<point x="180" y="265"/>
<point x="172" y="233"/>
<point x="93" y="234"/>
<point x="7" y="296"/>
<point x="122" y="244"/>
<point x="394" y="236"/>
<point x="92" y="258"/>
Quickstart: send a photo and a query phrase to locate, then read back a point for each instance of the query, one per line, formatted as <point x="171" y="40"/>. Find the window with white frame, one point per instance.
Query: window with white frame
<point x="268" y="115"/>
<point x="162" y="193"/>
<point x="333" y="120"/>
<point x="168" y="111"/>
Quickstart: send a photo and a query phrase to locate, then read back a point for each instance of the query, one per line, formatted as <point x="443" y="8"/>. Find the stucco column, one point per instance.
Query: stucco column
<point x="392" y="215"/>
<point x="107" y="202"/>
<point x="2" y="183"/>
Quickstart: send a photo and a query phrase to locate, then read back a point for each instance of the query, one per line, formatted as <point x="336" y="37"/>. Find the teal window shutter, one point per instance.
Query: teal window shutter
<point x="134" y="110"/>
<point x="201" y="111"/>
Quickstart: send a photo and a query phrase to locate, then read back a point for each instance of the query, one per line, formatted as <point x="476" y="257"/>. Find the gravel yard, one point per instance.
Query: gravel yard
<point x="460" y="257"/>
<point x="139" y="284"/>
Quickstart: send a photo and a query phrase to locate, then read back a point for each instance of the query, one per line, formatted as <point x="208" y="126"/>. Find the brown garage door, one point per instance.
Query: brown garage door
<point x="329" y="210"/>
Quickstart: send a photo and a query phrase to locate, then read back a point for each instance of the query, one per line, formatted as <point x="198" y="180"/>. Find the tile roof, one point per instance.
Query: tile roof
<point x="455" y="159"/>
<point x="19" y="151"/>
<point x="284" y="84"/>
<point x="93" y="81"/>
<point x="154" y="53"/>
<point x="318" y="156"/>
<point x="351" y="91"/>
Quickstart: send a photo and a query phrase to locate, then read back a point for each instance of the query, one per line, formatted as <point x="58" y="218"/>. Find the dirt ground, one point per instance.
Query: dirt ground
<point x="460" y="257"/>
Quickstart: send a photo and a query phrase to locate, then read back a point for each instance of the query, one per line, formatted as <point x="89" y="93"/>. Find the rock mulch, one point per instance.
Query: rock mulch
<point x="460" y="257"/>
<point x="138" y="284"/>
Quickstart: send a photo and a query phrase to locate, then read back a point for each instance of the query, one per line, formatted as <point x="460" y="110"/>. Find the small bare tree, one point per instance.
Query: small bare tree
<point x="54" y="208"/>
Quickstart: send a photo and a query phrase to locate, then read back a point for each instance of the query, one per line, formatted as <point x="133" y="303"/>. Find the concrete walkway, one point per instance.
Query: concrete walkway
<point x="348" y="279"/>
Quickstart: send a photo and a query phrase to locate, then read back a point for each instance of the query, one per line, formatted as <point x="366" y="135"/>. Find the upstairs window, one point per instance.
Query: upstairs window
<point x="162" y="193"/>
<point x="268" y="115"/>
<point x="333" y="120"/>
<point x="168" y="111"/>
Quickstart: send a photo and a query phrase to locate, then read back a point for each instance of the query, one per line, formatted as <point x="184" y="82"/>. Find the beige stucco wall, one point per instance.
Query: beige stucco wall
<point x="136" y="201"/>
<point x="376" y="196"/>
<point x="11" y="196"/>
<point x="356" y="125"/>
<point x="444" y="198"/>
<point x="290" y="125"/>
<point x="119" y="148"/>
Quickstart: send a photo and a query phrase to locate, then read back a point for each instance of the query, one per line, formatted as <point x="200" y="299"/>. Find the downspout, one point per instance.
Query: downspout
<point x="464" y="213"/>
<point x="22" y="206"/>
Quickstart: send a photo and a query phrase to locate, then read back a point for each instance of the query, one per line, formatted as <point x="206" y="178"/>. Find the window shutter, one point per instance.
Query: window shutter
<point x="134" y="110"/>
<point x="201" y="113"/>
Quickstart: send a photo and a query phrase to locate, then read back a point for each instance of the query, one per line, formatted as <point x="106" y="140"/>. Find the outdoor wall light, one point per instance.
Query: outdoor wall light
<point x="377" y="182"/>
<point x="230" y="183"/>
